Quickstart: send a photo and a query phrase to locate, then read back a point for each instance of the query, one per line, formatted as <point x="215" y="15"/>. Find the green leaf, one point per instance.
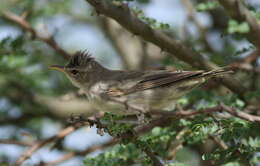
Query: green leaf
<point x="201" y="7"/>
<point x="236" y="27"/>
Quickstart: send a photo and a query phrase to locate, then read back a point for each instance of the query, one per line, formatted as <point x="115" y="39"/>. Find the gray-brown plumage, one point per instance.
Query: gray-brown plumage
<point x="131" y="92"/>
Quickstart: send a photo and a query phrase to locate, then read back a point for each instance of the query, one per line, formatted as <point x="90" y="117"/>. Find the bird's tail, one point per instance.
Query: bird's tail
<point x="218" y="72"/>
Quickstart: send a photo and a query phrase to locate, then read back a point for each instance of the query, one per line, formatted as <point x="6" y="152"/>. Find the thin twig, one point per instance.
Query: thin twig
<point x="219" y="142"/>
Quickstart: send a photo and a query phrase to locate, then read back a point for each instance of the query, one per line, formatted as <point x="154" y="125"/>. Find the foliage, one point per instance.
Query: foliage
<point x="205" y="6"/>
<point x="235" y="27"/>
<point x="150" y="21"/>
<point x="119" y="155"/>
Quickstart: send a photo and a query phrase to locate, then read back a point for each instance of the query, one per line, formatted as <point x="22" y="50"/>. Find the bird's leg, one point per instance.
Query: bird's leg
<point x="142" y="117"/>
<point x="73" y="119"/>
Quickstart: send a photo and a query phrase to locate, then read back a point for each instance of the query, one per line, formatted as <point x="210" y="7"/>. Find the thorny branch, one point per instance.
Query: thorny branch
<point x="162" y="121"/>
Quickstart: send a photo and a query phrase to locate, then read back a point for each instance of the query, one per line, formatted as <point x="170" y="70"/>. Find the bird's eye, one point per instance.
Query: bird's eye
<point x="74" y="72"/>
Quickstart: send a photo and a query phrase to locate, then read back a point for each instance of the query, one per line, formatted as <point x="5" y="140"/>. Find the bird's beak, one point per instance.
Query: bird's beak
<point x="58" y="68"/>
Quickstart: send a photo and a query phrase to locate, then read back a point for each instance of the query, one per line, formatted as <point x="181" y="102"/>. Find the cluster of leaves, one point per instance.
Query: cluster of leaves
<point x="205" y="6"/>
<point x="150" y="21"/>
<point x="119" y="155"/>
<point x="132" y="152"/>
<point x="236" y="27"/>
<point x="114" y="128"/>
<point x="239" y="153"/>
<point x="18" y="64"/>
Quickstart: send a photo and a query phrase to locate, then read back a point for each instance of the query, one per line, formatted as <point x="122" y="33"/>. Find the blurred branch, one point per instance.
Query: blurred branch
<point x="14" y="142"/>
<point x="58" y="107"/>
<point x="19" y="20"/>
<point x="192" y="16"/>
<point x="62" y="107"/>
<point x="145" y="55"/>
<point x="219" y="142"/>
<point x="131" y="53"/>
<point x="247" y="63"/>
<point x="219" y="108"/>
<point x="107" y="29"/>
<point x="240" y="114"/>
<point x="247" y="67"/>
<point x="82" y="153"/>
<point x="36" y="146"/>
<point x="177" y="144"/>
<point x="27" y="117"/>
<point x="124" y="16"/>
<point x="239" y="11"/>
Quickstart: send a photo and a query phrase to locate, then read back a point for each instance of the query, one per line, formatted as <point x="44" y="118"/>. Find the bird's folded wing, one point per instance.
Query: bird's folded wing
<point x="156" y="80"/>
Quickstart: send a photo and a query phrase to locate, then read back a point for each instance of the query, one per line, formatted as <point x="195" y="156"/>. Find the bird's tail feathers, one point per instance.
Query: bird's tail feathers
<point x="218" y="72"/>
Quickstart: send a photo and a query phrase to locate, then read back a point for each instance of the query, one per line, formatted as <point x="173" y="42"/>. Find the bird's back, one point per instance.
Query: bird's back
<point x="129" y="91"/>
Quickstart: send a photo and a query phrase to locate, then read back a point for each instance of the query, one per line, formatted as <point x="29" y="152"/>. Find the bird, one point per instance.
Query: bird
<point x="132" y="92"/>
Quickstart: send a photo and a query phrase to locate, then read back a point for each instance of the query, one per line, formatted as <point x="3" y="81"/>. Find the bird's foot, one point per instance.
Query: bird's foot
<point x="75" y="119"/>
<point x="143" y="118"/>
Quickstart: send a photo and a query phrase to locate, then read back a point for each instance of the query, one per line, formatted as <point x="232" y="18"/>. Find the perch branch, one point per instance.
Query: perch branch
<point x="165" y="119"/>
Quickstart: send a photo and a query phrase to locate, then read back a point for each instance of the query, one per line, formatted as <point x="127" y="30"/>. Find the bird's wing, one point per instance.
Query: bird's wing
<point x="154" y="80"/>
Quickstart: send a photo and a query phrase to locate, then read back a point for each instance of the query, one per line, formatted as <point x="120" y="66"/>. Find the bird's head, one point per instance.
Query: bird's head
<point x="80" y="68"/>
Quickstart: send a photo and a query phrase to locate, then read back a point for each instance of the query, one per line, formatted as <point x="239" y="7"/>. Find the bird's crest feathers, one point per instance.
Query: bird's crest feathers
<point x="80" y="58"/>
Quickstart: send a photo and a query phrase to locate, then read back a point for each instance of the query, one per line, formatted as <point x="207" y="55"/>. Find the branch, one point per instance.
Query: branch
<point x="19" y="20"/>
<point x="165" y="119"/>
<point x="125" y="17"/>
<point x="83" y="153"/>
<point x="14" y="142"/>
<point x="203" y="30"/>
<point x="177" y="144"/>
<point x="219" y="142"/>
<point x="66" y="156"/>
<point x="28" y="153"/>
<point x="219" y="108"/>
<point x="237" y="10"/>
<point x="131" y="53"/>
<point x="240" y="114"/>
